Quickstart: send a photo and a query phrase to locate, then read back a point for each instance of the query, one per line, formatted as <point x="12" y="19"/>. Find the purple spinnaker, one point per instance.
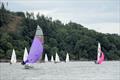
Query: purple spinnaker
<point x="36" y="51"/>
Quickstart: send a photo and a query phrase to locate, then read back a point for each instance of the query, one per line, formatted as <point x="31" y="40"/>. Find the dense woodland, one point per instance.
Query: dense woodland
<point x="17" y="30"/>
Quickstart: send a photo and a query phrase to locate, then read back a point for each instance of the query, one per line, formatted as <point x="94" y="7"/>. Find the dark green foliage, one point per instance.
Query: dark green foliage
<point x="78" y="41"/>
<point x="3" y="15"/>
<point x="20" y="14"/>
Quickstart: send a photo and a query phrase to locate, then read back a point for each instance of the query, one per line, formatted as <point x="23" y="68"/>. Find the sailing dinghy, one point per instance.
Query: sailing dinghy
<point x="57" y="60"/>
<point x="13" y="57"/>
<point x="52" y="59"/>
<point x="100" y="55"/>
<point x="36" y="49"/>
<point x="25" y="56"/>
<point x="46" y="58"/>
<point x="67" y="58"/>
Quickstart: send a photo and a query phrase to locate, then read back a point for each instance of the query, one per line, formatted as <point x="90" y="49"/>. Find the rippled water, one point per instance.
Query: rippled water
<point x="109" y="70"/>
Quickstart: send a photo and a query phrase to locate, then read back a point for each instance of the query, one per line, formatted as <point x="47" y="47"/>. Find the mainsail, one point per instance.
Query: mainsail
<point x="13" y="57"/>
<point x="100" y="55"/>
<point x="36" y="49"/>
<point x="67" y="57"/>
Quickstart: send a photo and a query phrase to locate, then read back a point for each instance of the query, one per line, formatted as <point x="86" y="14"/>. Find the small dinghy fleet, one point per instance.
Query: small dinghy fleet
<point x="36" y="52"/>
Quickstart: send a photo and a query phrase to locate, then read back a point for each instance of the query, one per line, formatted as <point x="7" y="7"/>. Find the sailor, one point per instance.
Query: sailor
<point x="23" y="63"/>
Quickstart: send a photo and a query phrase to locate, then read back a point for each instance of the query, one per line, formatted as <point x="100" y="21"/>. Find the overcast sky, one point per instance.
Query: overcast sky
<point x="100" y="15"/>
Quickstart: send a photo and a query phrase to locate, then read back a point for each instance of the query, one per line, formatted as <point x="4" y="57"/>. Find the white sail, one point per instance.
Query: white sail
<point x="99" y="52"/>
<point x="52" y="60"/>
<point x="67" y="57"/>
<point x="46" y="58"/>
<point x="25" y="55"/>
<point x="13" y="57"/>
<point x="57" y="58"/>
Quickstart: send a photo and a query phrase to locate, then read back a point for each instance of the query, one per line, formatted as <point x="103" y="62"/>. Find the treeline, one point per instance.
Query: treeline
<point x="78" y="41"/>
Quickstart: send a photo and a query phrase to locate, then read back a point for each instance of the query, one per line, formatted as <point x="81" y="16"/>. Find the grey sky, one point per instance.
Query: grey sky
<point x="100" y="15"/>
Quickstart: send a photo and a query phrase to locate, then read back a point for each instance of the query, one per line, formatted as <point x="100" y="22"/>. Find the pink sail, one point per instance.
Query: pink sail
<point x="100" y="55"/>
<point x="101" y="58"/>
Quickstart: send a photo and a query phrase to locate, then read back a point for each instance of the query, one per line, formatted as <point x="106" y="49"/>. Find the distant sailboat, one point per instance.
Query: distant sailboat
<point x="13" y="57"/>
<point x="67" y="57"/>
<point x="100" y="55"/>
<point x="46" y="58"/>
<point x="57" y="58"/>
<point x="36" y="49"/>
<point x="25" y="56"/>
<point x="52" y="59"/>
